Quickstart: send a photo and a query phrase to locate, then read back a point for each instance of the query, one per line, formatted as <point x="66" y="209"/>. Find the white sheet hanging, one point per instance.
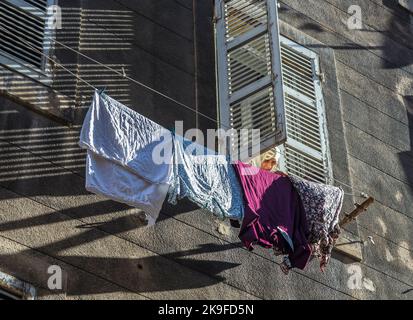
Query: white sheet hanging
<point x="120" y="160"/>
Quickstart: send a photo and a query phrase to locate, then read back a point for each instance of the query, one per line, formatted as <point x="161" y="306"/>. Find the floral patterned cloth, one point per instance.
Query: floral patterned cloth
<point x="322" y="204"/>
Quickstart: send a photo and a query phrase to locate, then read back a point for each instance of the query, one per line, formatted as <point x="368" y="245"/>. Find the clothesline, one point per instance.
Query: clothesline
<point x="294" y="217"/>
<point x="109" y="68"/>
<point x="362" y="194"/>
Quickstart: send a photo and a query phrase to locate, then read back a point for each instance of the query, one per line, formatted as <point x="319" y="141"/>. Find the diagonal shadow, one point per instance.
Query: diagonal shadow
<point x="406" y="157"/>
<point x="86" y="211"/>
<point x="157" y="273"/>
<point x="400" y="26"/>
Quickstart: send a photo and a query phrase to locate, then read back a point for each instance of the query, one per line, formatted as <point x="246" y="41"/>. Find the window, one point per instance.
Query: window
<point x="306" y="152"/>
<point x="14" y="289"/>
<point x="249" y="70"/>
<point x="270" y="83"/>
<point x="24" y="37"/>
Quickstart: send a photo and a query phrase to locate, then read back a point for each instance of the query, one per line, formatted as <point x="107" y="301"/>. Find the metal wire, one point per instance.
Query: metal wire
<point x="362" y="194"/>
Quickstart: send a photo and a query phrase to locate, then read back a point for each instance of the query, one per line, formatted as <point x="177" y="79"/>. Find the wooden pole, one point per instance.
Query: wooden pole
<point x="360" y="208"/>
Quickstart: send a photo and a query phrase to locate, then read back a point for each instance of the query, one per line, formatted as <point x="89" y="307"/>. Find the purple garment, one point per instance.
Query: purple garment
<point x="273" y="214"/>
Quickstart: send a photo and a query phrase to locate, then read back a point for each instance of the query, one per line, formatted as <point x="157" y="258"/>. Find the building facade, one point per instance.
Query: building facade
<point x="346" y="96"/>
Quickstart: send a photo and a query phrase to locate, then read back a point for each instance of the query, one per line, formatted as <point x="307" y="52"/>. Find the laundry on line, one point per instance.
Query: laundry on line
<point x="120" y="143"/>
<point x="208" y="180"/>
<point x="291" y="216"/>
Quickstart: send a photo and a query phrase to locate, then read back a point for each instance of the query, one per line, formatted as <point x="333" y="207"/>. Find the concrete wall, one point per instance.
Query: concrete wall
<point x="47" y="217"/>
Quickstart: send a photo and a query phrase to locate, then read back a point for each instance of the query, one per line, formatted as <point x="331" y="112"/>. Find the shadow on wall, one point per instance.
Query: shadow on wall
<point x="95" y="33"/>
<point x="42" y="161"/>
<point x="150" y="273"/>
<point x="313" y="28"/>
<point x="45" y="160"/>
<point x="93" y="222"/>
<point x="406" y="160"/>
<point x="45" y="163"/>
<point x="401" y="28"/>
<point x="406" y="157"/>
<point x="42" y="152"/>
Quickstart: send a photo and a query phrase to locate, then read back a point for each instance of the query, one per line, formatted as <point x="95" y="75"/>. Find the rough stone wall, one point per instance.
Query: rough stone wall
<point x="47" y="217"/>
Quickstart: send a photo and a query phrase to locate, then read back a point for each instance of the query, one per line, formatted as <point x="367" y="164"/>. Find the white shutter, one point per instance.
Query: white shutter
<point x="24" y="41"/>
<point x="249" y="68"/>
<point x="41" y="4"/>
<point x="305" y="152"/>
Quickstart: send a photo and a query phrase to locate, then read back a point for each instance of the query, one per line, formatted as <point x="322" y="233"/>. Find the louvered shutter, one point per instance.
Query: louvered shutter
<point x="305" y="152"/>
<point x="24" y="41"/>
<point x="249" y="69"/>
<point x="41" y="4"/>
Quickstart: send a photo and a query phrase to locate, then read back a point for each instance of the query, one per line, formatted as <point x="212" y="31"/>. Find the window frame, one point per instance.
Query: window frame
<point x="279" y="89"/>
<point x="43" y="74"/>
<point x="321" y="110"/>
<point x="223" y="98"/>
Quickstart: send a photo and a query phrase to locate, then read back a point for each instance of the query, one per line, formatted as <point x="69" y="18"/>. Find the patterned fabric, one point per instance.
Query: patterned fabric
<point x="322" y="204"/>
<point x="206" y="179"/>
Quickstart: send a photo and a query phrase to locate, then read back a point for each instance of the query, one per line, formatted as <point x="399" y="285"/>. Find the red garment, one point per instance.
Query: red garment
<point x="274" y="216"/>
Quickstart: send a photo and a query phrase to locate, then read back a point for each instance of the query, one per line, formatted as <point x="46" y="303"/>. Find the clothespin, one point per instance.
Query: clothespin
<point x="360" y="208"/>
<point x="364" y="195"/>
<point x="102" y="90"/>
